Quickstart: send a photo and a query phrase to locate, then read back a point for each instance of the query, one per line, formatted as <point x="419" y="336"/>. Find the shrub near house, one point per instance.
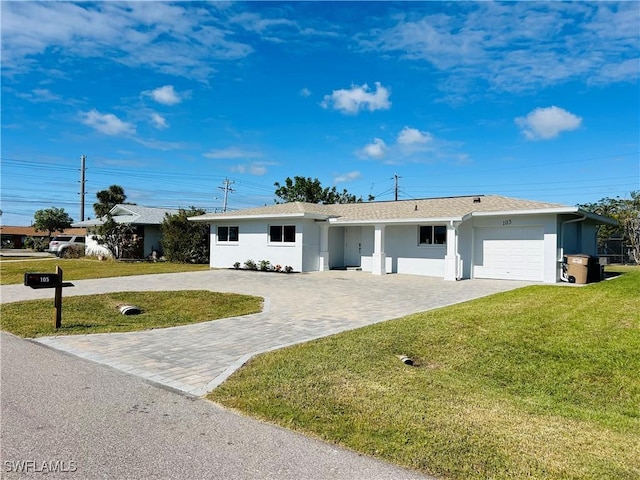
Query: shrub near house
<point x="184" y="241"/>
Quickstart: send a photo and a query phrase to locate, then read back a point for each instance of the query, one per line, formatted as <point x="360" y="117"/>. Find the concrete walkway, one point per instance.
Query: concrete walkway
<point x="298" y="307"/>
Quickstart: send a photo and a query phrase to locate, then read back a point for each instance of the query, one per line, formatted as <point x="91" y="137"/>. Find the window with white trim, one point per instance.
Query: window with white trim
<point x="432" y="235"/>
<point x="282" y="233"/>
<point x="228" y="234"/>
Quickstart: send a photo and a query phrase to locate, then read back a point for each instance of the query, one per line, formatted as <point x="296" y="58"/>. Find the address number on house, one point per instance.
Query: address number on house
<point x="41" y="280"/>
<point x="506" y="222"/>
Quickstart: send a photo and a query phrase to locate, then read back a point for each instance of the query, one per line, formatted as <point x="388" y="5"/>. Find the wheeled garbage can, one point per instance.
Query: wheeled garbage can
<point x="581" y="268"/>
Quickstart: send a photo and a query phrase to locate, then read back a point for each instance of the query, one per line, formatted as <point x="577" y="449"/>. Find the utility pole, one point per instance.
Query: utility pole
<point x="396" y="177"/>
<point x="83" y="159"/>
<point x="226" y="188"/>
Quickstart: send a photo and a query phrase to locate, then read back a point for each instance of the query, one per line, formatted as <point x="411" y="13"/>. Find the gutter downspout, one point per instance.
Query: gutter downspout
<point x="575" y="220"/>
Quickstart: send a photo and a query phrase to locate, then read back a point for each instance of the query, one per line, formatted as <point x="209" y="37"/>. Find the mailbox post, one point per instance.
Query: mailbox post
<point x="49" y="280"/>
<point x="57" y="299"/>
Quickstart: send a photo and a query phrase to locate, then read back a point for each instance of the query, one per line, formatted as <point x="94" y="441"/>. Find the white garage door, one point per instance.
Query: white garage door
<point x="511" y="253"/>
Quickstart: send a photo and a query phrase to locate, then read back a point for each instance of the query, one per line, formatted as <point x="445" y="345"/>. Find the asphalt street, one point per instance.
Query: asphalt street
<point x="70" y="418"/>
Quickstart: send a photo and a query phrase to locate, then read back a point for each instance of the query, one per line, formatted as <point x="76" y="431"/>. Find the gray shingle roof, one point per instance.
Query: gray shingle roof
<point x="407" y="210"/>
<point x="137" y="215"/>
<point x="133" y="215"/>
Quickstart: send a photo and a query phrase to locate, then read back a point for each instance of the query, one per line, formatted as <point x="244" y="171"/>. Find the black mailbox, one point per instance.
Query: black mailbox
<point x="41" y="280"/>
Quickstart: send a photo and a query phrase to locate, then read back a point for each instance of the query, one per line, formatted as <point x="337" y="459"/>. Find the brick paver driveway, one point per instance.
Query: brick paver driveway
<point x="297" y="308"/>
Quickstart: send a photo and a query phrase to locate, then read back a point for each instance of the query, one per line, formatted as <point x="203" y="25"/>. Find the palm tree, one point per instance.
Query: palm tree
<point x="107" y="199"/>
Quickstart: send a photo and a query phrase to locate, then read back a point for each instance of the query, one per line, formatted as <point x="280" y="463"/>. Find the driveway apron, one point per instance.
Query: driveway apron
<point x="297" y="308"/>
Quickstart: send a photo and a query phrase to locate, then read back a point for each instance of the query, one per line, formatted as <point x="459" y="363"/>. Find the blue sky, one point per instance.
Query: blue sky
<point x="532" y="100"/>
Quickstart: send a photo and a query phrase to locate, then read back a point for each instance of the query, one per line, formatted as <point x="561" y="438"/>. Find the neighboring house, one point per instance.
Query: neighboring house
<point x="14" y="237"/>
<point x="146" y="222"/>
<point x="453" y="238"/>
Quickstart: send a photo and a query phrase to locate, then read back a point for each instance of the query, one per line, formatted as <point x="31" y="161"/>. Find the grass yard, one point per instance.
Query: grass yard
<point x="99" y="313"/>
<point x="80" y="269"/>
<point x="542" y="382"/>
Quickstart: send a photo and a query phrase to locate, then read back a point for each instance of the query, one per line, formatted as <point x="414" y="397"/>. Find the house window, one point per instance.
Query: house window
<point x="289" y="233"/>
<point x="282" y="233"/>
<point x="228" y="234"/>
<point x="432" y="235"/>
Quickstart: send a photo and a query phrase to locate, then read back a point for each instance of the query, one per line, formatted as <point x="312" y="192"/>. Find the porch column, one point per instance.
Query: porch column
<point x="379" y="257"/>
<point x="452" y="269"/>
<point x="323" y="263"/>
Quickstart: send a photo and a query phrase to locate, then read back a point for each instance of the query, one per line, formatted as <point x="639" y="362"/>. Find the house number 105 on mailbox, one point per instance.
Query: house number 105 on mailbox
<point x="41" y="280"/>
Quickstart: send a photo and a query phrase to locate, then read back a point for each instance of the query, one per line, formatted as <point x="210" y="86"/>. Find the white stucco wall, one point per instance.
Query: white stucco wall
<point x="548" y="223"/>
<point x="151" y="236"/>
<point x="253" y="243"/>
<point x="465" y="247"/>
<point x="310" y="236"/>
<point x="577" y="237"/>
<point x="590" y="238"/>
<point x="406" y="256"/>
<point x="366" y="263"/>
<point x="336" y="247"/>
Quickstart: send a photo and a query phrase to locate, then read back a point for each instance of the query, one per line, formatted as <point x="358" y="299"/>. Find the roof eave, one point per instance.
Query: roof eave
<point x="528" y="211"/>
<point x="224" y="218"/>
<point x="88" y="223"/>
<point x="598" y="218"/>
<point x="553" y="210"/>
<point x="394" y="221"/>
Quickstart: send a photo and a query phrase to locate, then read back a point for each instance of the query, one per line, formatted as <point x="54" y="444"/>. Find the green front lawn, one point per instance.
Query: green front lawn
<point x="540" y="382"/>
<point x="100" y="313"/>
<point x="80" y="269"/>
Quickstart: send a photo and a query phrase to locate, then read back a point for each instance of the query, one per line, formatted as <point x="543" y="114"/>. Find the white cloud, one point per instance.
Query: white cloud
<point x="376" y="149"/>
<point x="165" y="95"/>
<point x="38" y="95"/>
<point x="231" y="152"/>
<point x="617" y="72"/>
<point x="160" y="145"/>
<point x="498" y="44"/>
<point x="281" y="30"/>
<point x="257" y="169"/>
<point x="347" y="177"/>
<point x="413" y="136"/>
<point x="107" y="123"/>
<point x="413" y="146"/>
<point x="255" y="23"/>
<point x="358" y="98"/>
<point x="305" y="92"/>
<point x="546" y="123"/>
<point x="173" y="39"/>
<point x="159" y="121"/>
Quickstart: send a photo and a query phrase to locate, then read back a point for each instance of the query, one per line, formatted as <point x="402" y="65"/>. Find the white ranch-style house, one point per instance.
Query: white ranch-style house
<point x="146" y="222"/>
<point x="453" y="238"/>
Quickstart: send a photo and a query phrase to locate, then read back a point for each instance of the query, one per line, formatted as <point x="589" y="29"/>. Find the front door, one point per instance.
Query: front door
<point x="352" y="246"/>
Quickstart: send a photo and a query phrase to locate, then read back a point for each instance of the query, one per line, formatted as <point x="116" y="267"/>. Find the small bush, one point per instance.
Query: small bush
<point x="265" y="265"/>
<point x="236" y="265"/>
<point x="277" y="268"/>
<point x="74" y="251"/>
<point x="288" y="269"/>
<point x="37" y="244"/>
<point x="250" y="265"/>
